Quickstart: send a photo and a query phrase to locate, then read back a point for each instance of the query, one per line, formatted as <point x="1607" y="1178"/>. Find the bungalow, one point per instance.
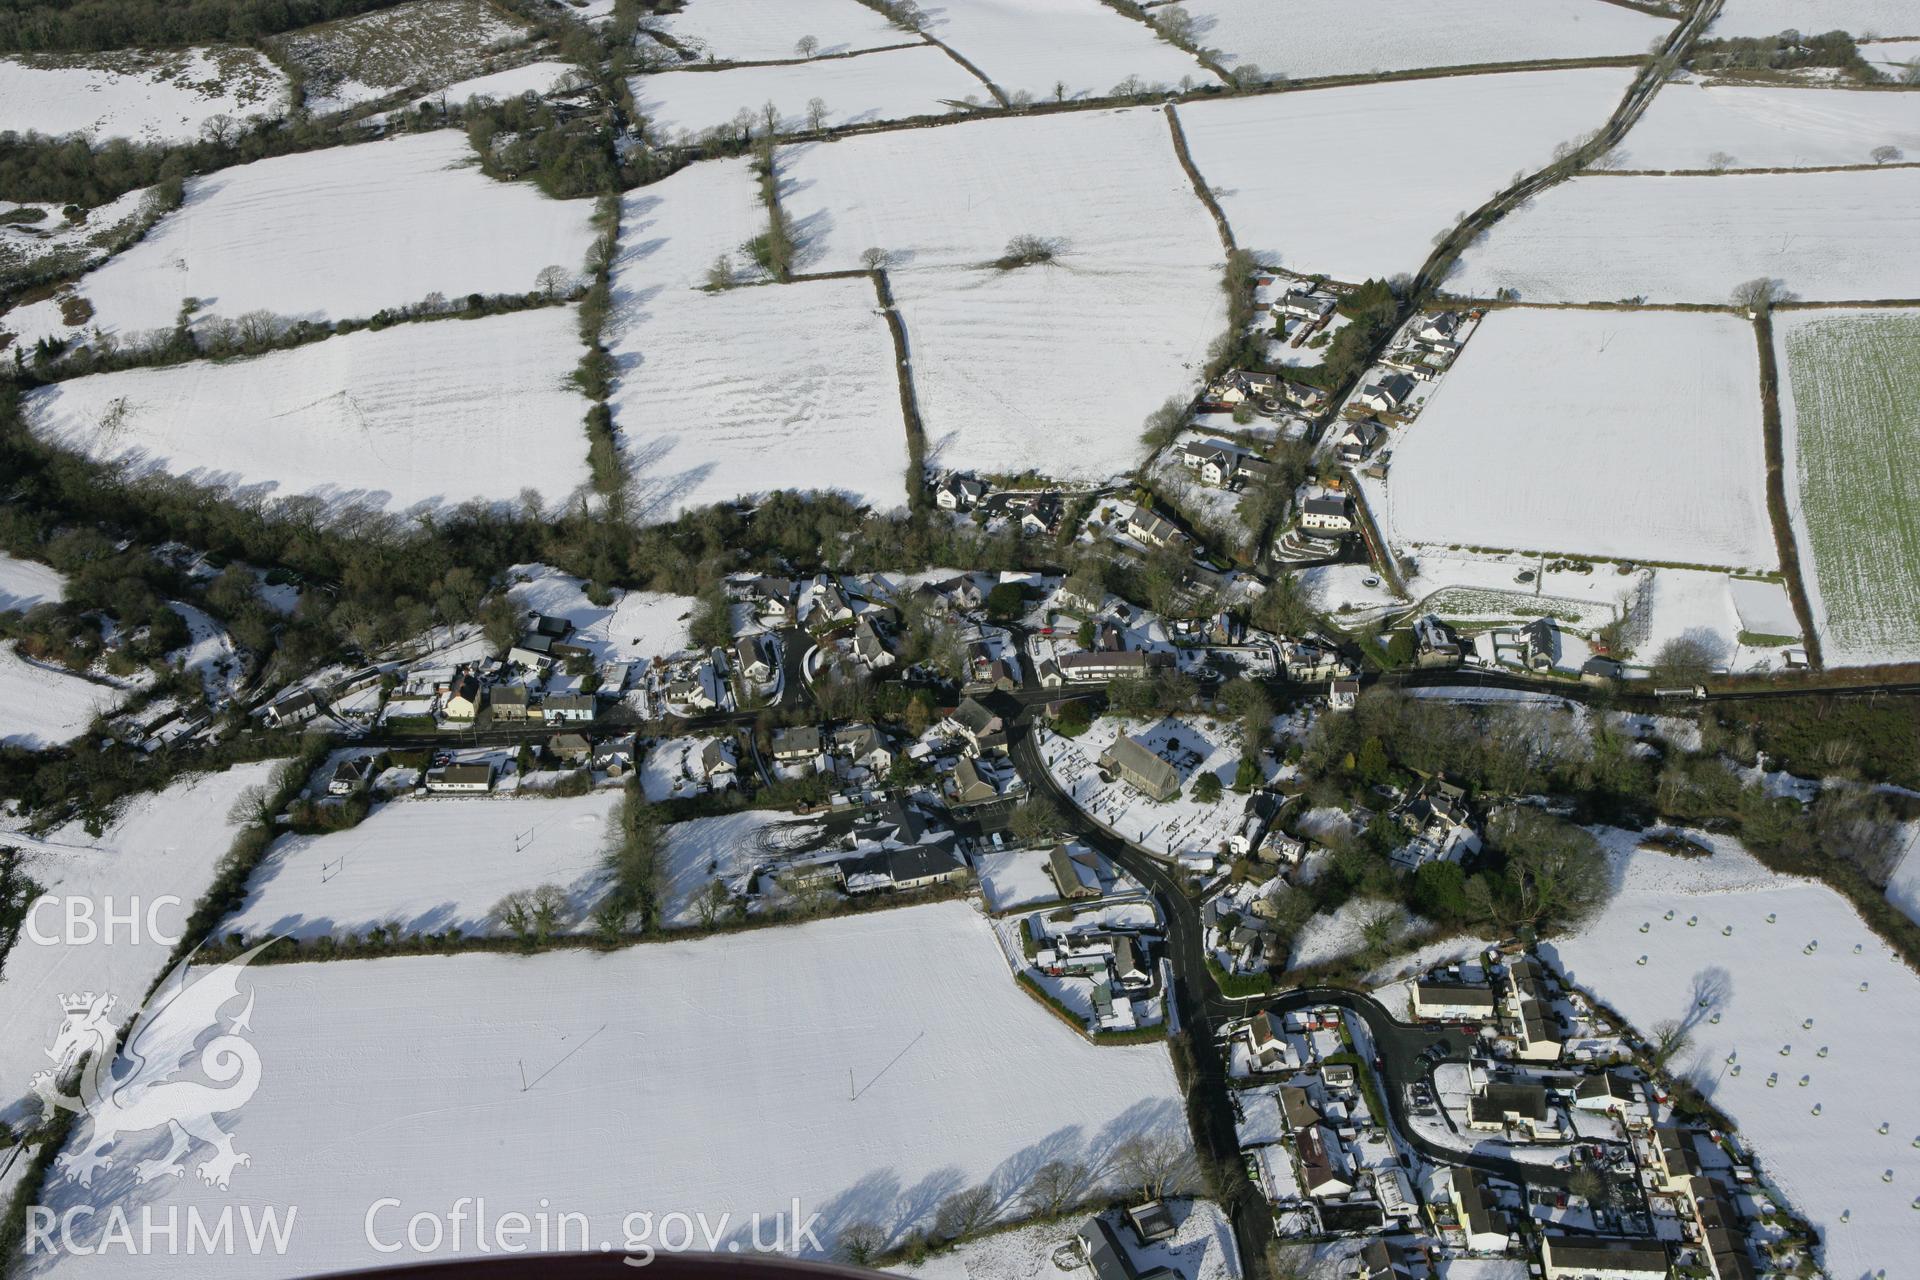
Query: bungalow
<point x="1603" y="1258"/>
<point x="956" y="492"/>
<point x="1072" y="877"/>
<point x="1519" y="1111"/>
<point x="1601" y="671"/>
<point x="1153" y="529"/>
<point x="1343" y="695"/>
<point x="572" y="749"/>
<point x="916" y="866"/>
<point x="463" y="698"/>
<point x="614" y="678"/>
<point x="461" y="778"/>
<point x="1303" y="397"/>
<point x="534" y="652"/>
<point x="1326" y="511"/>
<point x="548" y="625"/>
<point x="1107" y="1257"/>
<point x="509" y="701"/>
<point x="294" y="709"/>
<point x="772" y="598"/>
<point x="616" y="756"/>
<point x="691" y="693"/>
<point x="1389" y="395"/>
<point x="1358" y="441"/>
<point x="1486" y="1228"/>
<point x="792" y="746"/>
<point x="1446" y="1000"/>
<point x="1138" y="766"/>
<point x="1610" y="1091"/>
<point x="1214" y="461"/>
<point x="570" y="708"/>
<point x="753" y="658"/>
<point x="983" y="729"/>
<point x="350" y="775"/>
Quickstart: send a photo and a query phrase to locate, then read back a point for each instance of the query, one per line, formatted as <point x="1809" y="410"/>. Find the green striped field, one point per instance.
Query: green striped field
<point x="1850" y="397"/>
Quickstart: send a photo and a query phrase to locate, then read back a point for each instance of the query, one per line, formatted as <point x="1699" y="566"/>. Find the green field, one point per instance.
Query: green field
<point x="1854" y="383"/>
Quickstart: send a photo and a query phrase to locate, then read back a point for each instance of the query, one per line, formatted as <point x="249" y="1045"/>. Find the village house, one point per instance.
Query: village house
<point x="969" y="786"/>
<point x="982" y="727"/>
<point x="1080" y="594"/>
<point x="1326" y="512"/>
<point x="1343" y="695"/>
<point x="1073" y="878"/>
<point x="1389" y="395"/>
<point x="294" y="709"/>
<point x="1437" y="329"/>
<point x="532" y="652"/>
<point x="1530" y="1007"/>
<point x="1271" y="1045"/>
<point x="1306" y="661"/>
<point x="863" y="746"/>
<point x="1152" y="1221"/>
<point x="1540" y="645"/>
<point x="1323" y="1165"/>
<point x="508" y="701"/>
<point x="1485" y="1228"/>
<point x="868" y="647"/>
<point x="570" y="749"/>
<point x="690" y="692"/>
<point x="350" y="776"/>
<point x="754" y="658"/>
<point x="958" y="492"/>
<point x="569" y="708"/>
<point x="796" y="745"/>
<point x="1434" y="644"/>
<point x="1609" y="1092"/>
<point x="463" y="698"/>
<point x="830" y="607"/>
<point x="900" y="868"/>
<point x="1381" y="1260"/>
<point x="772" y="599"/>
<point x="717" y="764"/>
<point x="1107" y="1257"/>
<point x="1358" y="441"/>
<point x="460" y="778"/>
<point x="616" y="757"/>
<point x="1137" y="766"/>
<point x="1153" y="529"/>
<point x="1603" y="1258"/>
<point x="1304" y="304"/>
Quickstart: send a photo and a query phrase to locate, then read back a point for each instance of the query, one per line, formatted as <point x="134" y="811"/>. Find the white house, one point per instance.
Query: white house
<point x="1326" y="511"/>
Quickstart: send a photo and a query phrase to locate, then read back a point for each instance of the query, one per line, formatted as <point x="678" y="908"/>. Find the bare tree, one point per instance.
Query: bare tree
<point x="254" y="805"/>
<point x="964" y="1213"/>
<point x="1057" y="1186"/>
<point x="1037" y="819"/>
<point x="817" y="114"/>
<point x="1685" y="659"/>
<point x="1175" y="23"/>
<point x="219" y="129"/>
<point x="875" y="259"/>
<point x="720" y="274"/>
<point x="1670" y="1039"/>
<point x="514" y="913"/>
<point x="1887" y="154"/>
<point x="1159" y="1163"/>
<point x="1721" y="160"/>
<point x="553" y="280"/>
<point x="806" y="46"/>
<point x="1759" y="294"/>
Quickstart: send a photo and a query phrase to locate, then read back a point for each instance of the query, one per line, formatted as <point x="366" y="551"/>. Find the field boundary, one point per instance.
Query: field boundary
<point x="1779" y="512"/>
<point x="783" y="62"/>
<point x="1200" y="187"/>
<point x="1778" y="170"/>
<point x="909" y="400"/>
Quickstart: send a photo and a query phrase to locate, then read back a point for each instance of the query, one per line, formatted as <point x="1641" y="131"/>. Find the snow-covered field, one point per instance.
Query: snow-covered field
<point x="1823" y="236"/>
<point x="531" y="77"/>
<point x="1810" y="993"/>
<point x="1891" y="56"/>
<point x="50" y="245"/>
<point x="26" y="583"/>
<point x="46" y="705"/>
<point x="1050" y="366"/>
<point x="331" y="235"/>
<point x="161" y="844"/>
<point x="716" y="1074"/>
<point x="160" y="97"/>
<point x="1708" y="126"/>
<point x="1054" y="367"/>
<point x="1859" y="17"/>
<point x="673" y="768"/>
<point x="429" y="865"/>
<point x="1343" y="932"/>
<point x="1540" y="438"/>
<point x="1326" y="209"/>
<point x="357" y="60"/>
<point x="769" y="30"/>
<point x="670" y="234"/>
<point x="1201" y="1248"/>
<point x="419" y="415"/>
<point x="750" y="390"/>
<point x="1302" y="38"/>
<point x="1106" y="185"/>
<point x="1850" y="424"/>
<point x="892" y="84"/>
<point x="1070" y="48"/>
<point x="635" y="627"/>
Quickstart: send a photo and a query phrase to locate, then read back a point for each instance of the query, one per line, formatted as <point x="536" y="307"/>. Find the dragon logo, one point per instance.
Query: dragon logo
<point x="127" y="1093"/>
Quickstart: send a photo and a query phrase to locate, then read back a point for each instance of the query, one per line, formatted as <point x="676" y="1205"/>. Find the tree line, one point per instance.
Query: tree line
<point x="68" y="26"/>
